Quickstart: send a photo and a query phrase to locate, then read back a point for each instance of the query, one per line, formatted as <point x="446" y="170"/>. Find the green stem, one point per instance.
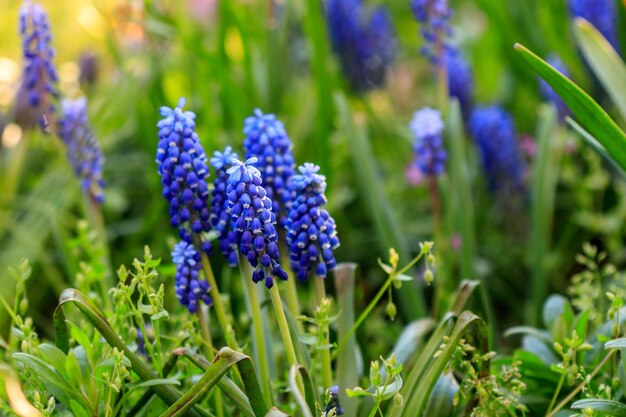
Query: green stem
<point x="291" y="292"/>
<point x="320" y="296"/>
<point x="259" y="337"/>
<point x="582" y="385"/>
<point x="556" y="392"/>
<point x="205" y="333"/>
<point x="283" y="326"/>
<point x="218" y="307"/>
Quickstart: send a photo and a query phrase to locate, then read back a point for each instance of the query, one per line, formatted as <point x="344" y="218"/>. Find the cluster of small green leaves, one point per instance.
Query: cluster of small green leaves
<point x="494" y="394"/>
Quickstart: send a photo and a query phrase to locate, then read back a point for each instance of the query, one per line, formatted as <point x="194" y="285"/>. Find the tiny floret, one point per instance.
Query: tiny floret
<point x="427" y="128"/>
<point x="190" y="287"/>
<point x="83" y="149"/>
<point x="252" y="218"/>
<point x="311" y="232"/>
<point x="433" y="16"/>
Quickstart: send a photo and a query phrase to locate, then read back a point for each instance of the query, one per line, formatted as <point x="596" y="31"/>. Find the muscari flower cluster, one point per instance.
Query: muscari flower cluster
<point x="427" y="129"/>
<point x="333" y="403"/>
<point x="220" y="218"/>
<point x="460" y="79"/>
<point x="363" y="40"/>
<point x="83" y="150"/>
<point x="190" y="289"/>
<point x="600" y="13"/>
<point x="251" y="216"/>
<point x="40" y="76"/>
<point x="434" y="16"/>
<point x="182" y="165"/>
<point x="493" y="131"/>
<point x="311" y="231"/>
<point x="548" y="92"/>
<point x="267" y="140"/>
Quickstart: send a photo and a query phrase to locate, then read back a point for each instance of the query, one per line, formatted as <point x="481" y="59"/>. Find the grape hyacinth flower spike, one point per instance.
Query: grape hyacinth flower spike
<point x="434" y="16"/>
<point x="220" y="218"/>
<point x="267" y="140"/>
<point x="460" y="79"/>
<point x="427" y="128"/>
<point x="190" y="288"/>
<point x="311" y="231"/>
<point x="250" y="211"/>
<point x="83" y="150"/>
<point x="363" y="40"/>
<point x="40" y="76"/>
<point x="182" y="165"/>
<point x="493" y="131"/>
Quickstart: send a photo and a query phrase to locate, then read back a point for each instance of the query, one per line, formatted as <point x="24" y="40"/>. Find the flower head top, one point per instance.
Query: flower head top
<point x="433" y="16"/>
<point x="83" y="150"/>
<point x="460" y="79"/>
<point x="548" y="92"/>
<point x="183" y="169"/>
<point x="600" y="13"/>
<point x="267" y="140"/>
<point x="493" y="131"/>
<point x="40" y="76"/>
<point x="251" y="216"/>
<point x="427" y="128"/>
<point x="190" y="287"/>
<point x="363" y="40"/>
<point x="311" y="231"/>
<point x="220" y="218"/>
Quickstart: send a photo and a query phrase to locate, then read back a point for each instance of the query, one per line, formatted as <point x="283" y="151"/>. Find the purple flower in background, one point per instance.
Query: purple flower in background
<point x="494" y="133"/>
<point x="251" y="216"/>
<point x="267" y="141"/>
<point x="363" y="40"/>
<point x="600" y="13"/>
<point x="83" y="150"/>
<point x="460" y="79"/>
<point x="40" y="76"/>
<point x="183" y="168"/>
<point x="311" y="232"/>
<point x="548" y="92"/>
<point x="190" y="287"/>
<point x="220" y="218"/>
<point x="433" y="16"/>
<point x="427" y="128"/>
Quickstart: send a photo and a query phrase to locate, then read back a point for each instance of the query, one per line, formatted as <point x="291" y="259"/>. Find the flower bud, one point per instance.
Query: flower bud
<point x="391" y="310"/>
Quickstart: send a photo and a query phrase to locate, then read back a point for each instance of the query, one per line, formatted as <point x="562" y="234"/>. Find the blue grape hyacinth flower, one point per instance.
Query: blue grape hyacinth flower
<point x="548" y="92"/>
<point x="434" y="16"/>
<point x="251" y="215"/>
<point x="460" y="79"/>
<point x="190" y="287"/>
<point x="182" y="165"/>
<point x="600" y="13"/>
<point x="363" y="40"/>
<point x="494" y="133"/>
<point x="40" y="76"/>
<point x="83" y="149"/>
<point x="311" y="232"/>
<point x="267" y="140"/>
<point x="427" y="128"/>
<point x="220" y="218"/>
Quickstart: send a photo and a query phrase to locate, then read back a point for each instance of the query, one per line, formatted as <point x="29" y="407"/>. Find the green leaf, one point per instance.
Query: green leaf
<point x="552" y="308"/>
<point x="610" y="407"/>
<point x="604" y="61"/>
<point x="43" y="371"/>
<point x="587" y="111"/>
<point x="73" y="370"/>
<point x="78" y="410"/>
<point x="225" y="359"/>
<point x="441" y="401"/>
<point x="593" y="142"/>
<point x="54" y="356"/>
<point x="306" y="400"/>
<point x="616" y="343"/>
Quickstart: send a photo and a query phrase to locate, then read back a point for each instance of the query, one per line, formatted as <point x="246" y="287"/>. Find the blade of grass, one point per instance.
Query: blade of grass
<point x="588" y="112"/>
<point x="306" y="401"/>
<point x="604" y="61"/>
